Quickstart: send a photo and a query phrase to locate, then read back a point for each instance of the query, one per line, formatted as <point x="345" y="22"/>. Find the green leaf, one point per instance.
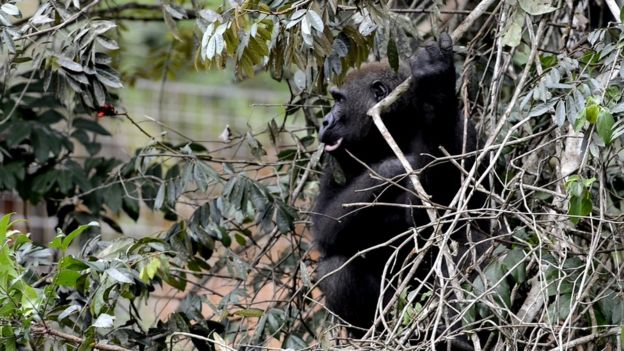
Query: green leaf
<point x="69" y="64"/>
<point x="293" y="342"/>
<point x="92" y="126"/>
<point x="67" y="277"/>
<point x="588" y="182"/>
<point x="367" y="26"/>
<point x="250" y="312"/>
<point x="300" y="79"/>
<point x="579" y="206"/>
<point x="340" y="48"/>
<point x="580" y="121"/>
<point x="10" y="9"/>
<point x="542" y="108"/>
<point x="205" y="39"/>
<point x="160" y="197"/>
<point x="560" y="113"/>
<point x="131" y="207"/>
<point x="64" y="181"/>
<point x="513" y="34"/>
<point x="89" y="340"/>
<point x="4" y="226"/>
<point x="176" y="12"/>
<point x="536" y="7"/>
<point x="71" y="236"/>
<point x="102" y="27"/>
<point x="171" y="24"/>
<point x="296" y="18"/>
<point x="393" y="54"/>
<point x="106" y="43"/>
<point x="19" y="131"/>
<point x="285" y="218"/>
<point x="604" y="126"/>
<point x="240" y="239"/>
<point x="104" y="321"/>
<point x="548" y="61"/>
<point x="8" y="338"/>
<point x="560" y="309"/>
<point x="149" y="270"/>
<point x="114" y="196"/>
<point x="69" y="311"/>
<point x="40" y="143"/>
<point x="315" y="20"/>
<point x="108" y="78"/>
<point x="219" y="44"/>
<point x="119" y="276"/>
<point x="99" y="93"/>
<point x="591" y="113"/>
<point x="211" y="47"/>
<point x="574" y="186"/>
<point x="513" y="258"/>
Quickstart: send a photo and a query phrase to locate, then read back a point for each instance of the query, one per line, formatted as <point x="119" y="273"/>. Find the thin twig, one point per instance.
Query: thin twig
<point x="63" y="24"/>
<point x="40" y="329"/>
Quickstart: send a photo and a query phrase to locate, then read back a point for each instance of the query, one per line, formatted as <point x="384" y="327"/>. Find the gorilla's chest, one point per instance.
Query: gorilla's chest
<point x="348" y="219"/>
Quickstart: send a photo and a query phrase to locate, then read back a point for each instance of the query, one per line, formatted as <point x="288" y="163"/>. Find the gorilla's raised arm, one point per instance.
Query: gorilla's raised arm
<point x="433" y="71"/>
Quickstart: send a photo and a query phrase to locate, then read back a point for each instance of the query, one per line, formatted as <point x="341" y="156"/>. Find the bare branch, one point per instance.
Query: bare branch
<point x="472" y="17"/>
<point x="40" y="329"/>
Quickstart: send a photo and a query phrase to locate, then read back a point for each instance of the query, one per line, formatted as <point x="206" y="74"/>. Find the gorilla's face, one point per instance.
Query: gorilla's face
<point x="347" y="126"/>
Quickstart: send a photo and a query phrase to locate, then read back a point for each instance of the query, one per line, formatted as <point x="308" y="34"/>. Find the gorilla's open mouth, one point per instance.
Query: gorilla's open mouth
<point x="334" y="146"/>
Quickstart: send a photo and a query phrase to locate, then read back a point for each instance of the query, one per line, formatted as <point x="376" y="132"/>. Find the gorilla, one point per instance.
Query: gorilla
<point x="425" y="119"/>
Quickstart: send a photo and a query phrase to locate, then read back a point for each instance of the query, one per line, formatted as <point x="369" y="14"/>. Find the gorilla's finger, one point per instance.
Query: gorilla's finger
<point x="421" y="57"/>
<point x="434" y="52"/>
<point x="445" y="41"/>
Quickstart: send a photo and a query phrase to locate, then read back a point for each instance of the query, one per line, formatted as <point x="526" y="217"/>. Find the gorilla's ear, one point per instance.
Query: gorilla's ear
<point x="379" y="90"/>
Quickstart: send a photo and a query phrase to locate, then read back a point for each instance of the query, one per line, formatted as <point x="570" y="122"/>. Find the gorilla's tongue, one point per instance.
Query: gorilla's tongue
<point x="333" y="146"/>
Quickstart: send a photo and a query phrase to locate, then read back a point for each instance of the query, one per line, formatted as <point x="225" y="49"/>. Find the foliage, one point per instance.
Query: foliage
<point x="542" y="81"/>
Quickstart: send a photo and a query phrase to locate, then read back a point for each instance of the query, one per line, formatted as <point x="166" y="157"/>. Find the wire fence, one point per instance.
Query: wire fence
<point x="177" y="112"/>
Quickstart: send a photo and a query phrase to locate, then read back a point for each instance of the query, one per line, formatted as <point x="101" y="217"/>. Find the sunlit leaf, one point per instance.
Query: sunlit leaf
<point x="604" y="126"/>
<point x="104" y="321"/>
<point x="10" y="9"/>
<point x="108" y="78"/>
<point x="537" y="7"/>
<point x="300" y="79"/>
<point x="315" y="20"/>
<point x="119" y="276"/>
<point x="69" y="64"/>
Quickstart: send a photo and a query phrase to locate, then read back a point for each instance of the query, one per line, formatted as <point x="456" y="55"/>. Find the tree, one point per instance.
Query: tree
<point x="543" y="79"/>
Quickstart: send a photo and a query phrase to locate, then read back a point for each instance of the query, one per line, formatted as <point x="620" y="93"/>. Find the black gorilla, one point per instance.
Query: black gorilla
<point x="424" y="119"/>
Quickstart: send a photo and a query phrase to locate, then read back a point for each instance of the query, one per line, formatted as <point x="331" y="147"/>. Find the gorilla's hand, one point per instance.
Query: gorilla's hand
<point x="433" y="71"/>
<point x="434" y="61"/>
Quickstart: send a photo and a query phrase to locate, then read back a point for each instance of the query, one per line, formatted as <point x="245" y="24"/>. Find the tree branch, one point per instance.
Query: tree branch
<point x="615" y="9"/>
<point x="40" y="329"/>
<point x="70" y="20"/>
<point x="586" y="339"/>
<point x="375" y="111"/>
<point x="468" y="21"/>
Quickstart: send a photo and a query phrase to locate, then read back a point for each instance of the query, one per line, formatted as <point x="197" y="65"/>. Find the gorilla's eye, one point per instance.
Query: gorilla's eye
<point x="379" y="90"/>
<point x="337" y="95"/>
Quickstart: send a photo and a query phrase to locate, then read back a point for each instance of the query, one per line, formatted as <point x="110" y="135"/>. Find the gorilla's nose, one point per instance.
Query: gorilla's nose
<point x="328" y="122"/>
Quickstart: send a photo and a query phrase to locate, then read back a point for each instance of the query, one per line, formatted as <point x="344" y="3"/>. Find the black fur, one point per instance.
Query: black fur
<point x="425" y="118"/>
